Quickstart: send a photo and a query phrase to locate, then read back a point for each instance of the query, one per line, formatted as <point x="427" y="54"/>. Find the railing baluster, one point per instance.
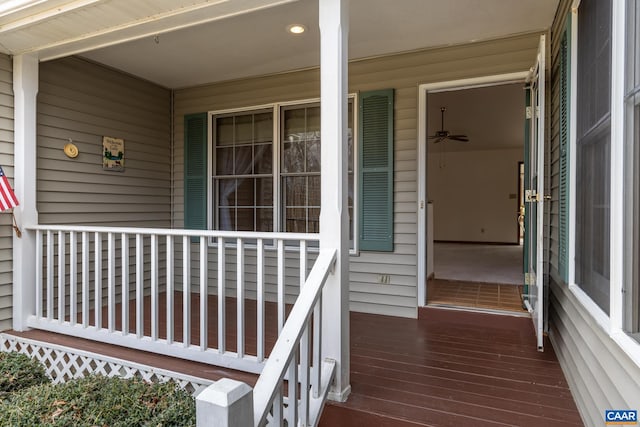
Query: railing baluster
<point x="281" y="299"/>
<point x="139" y="286"/>
<point x="73" y="278"/>
<point x="85" y="279"/>
<point x="240" y="296"/>
<point x="154" y="287"/>
<point x="186" y="291"/>
<point x="169" y="291"/>
<point x="49" y="275"/>
<point x="260" y="299"/>
<point x="97" y="262"/>
<point x="62" y="262"/>
<point x="292" y="382"/>
<point x="203" y="294"/>
<point x="317" y="349"/>
<point x="39" y="267"/>
<point x="111" y="282"/>
<point x="222" y="271"/>
<point x="278" y="416"/>
<point x="304" y="346"/>
<point x="124" y="242"/>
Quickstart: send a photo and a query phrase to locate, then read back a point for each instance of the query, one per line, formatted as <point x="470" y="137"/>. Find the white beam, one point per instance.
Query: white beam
<point x="334" y="225"/>
<point x="150" y="26"/>
<point x="25" y="89"/>
<point x="46" y="15"/>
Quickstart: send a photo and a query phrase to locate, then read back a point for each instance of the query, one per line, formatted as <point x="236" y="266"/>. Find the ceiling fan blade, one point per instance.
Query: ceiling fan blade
<point x="440" y="139"/>
<point x="461" y="138"/>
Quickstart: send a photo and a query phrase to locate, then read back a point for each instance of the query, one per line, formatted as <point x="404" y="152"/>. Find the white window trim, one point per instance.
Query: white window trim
<point x="612" y="324"/>
<point x="277" y="205"/>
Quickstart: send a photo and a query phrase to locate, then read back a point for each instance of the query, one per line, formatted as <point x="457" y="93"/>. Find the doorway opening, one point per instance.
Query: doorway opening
<point x="474" y="197"/>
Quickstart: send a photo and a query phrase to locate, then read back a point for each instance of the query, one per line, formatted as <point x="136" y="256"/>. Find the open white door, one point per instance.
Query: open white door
<point x="534" y="197"/>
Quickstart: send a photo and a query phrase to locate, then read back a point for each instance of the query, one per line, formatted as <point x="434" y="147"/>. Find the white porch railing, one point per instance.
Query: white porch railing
<point x="110" y="285"/>
<point x="294" y="364"/>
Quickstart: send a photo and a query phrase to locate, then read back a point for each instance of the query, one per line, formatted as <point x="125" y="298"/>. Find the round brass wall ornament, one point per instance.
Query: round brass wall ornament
<point x="71" y="150"/>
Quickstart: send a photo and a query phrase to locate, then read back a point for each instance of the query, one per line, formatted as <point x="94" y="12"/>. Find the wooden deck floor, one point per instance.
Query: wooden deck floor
<point x="447" y="368"/>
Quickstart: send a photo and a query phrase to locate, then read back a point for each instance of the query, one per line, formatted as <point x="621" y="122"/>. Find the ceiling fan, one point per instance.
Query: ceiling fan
<point x="442" y="134"/>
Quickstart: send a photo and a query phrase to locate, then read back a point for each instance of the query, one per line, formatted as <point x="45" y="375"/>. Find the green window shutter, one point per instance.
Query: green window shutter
<point x="195" y="171"/>
<point x="563" y="193"/>
<point x="375" y="139"/>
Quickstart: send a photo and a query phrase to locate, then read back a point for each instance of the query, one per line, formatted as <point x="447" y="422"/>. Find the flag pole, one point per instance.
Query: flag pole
<point x="15" y="225"/>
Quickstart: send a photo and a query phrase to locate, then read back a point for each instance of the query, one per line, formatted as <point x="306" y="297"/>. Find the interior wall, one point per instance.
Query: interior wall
<point x="474" y="194"/>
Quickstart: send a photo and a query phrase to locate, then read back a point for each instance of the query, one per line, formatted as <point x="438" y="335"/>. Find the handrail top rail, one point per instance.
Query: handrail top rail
<point x="276" y="366"/>
<point x="179" y="232"/>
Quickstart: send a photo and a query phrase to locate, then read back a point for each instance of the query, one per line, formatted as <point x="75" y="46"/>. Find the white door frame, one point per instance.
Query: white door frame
<point x="423" y="91"/>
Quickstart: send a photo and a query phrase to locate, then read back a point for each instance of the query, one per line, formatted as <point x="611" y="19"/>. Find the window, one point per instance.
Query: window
<point x="245" y="171"/>
<point x="593" y="148"/>
<point x="632" y="169"/>
<point x="300" y="168"/>
<point x="258" y="169"/>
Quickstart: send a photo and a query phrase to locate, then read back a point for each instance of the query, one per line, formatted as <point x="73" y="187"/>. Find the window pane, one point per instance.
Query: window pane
<point x="264" y="219"/>
<point x="593" y="148"/>
<point x="263" y="127"/>
<point x="314" y="220"/>
<point x="314" y="191"/>
<point x="294" y="124"/>
<point x="244" y="219"/>
<point x="244" y="129"/>
<point x="293" y="156"/>
<point x="224" y="131"/>
<point x="264" y="192"/>
<point x="227" y="192"/>
<point x="295" y="191"/>
<point x="243" y="160"/>
<point x="226" y="219"/>
<point x="262" y="159"/>
<point x="224" y="161"/>
<point x="313" y="153"/>
<point x="244" y="192"/>
<point x="295" y="220"/>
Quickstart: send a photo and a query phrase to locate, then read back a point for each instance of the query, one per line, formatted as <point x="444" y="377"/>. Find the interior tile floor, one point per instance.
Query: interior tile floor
<point x="477" y="276"/>
<point x="484" y="296"/>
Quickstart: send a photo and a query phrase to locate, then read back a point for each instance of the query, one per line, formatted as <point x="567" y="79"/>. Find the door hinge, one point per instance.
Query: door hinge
<point x="537" y="111"/>
<point x="528" y="112"/>
<point x="529" y="278"/>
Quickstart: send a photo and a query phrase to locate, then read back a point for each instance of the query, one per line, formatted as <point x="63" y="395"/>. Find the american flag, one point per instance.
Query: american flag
<point x="8" y="199"/>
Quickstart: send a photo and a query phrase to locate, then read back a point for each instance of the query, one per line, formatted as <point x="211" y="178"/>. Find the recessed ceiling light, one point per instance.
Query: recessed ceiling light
<point x="296" y="28"/>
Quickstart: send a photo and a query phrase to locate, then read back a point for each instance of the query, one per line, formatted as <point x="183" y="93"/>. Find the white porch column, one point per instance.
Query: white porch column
<point x="25" y="89"/>
<point x="334" y="225"/>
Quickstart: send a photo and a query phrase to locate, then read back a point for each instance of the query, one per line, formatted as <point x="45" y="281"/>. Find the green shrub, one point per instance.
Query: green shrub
<point x="18" y="371"/>
<point x="99" y="401"/>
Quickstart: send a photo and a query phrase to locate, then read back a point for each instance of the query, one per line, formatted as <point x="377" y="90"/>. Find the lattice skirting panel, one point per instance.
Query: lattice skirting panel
<point x="64" y="363"/>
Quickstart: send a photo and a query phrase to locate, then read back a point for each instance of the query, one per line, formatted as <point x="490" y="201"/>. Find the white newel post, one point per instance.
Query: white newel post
<point x="334" y="225"/>
<point x="225" y="403"/>
<point x="25" y="89"/>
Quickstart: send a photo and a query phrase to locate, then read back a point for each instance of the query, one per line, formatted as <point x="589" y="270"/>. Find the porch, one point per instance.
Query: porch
<point x="445" y="368"/>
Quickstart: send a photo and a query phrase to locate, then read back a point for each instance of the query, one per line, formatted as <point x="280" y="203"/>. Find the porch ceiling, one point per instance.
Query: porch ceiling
<point x="200" y="41"/>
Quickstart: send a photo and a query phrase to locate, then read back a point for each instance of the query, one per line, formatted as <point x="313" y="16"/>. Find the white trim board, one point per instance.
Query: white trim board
<point x="423" y="91"/>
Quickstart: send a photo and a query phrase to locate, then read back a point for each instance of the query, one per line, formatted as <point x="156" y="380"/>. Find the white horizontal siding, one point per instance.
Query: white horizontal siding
<point x="403" y="73"/>
<point x="6" y="161"/>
